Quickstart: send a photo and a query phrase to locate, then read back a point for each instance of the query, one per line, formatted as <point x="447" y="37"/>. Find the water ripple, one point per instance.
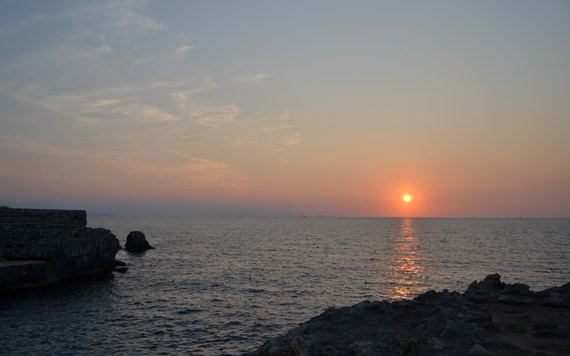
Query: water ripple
<point x="223" y="286"/>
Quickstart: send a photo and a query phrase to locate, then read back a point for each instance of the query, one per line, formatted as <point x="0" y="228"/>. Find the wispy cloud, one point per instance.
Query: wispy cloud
<point x="104" y="49"/>
<point x="96" y="107"/>
<point x="120" y="14"/>
<point x="268" y="132"/>
<point x="94" y="91"/>
<point x="145" y="113"/>
<point x="183" y="90"/>
<point x="213" y="116"/>
<point x="183" y="50"/>
<point x="117" y="96"/>
<point x="249" y="78"/>
<point x="61" y="168"/>
<point x="201" y="114"/>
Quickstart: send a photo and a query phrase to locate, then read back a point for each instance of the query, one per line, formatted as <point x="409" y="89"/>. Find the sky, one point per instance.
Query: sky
<point x="262" y="108"/>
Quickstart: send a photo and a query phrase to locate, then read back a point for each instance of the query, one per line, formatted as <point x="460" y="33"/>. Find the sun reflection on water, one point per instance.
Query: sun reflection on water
<point x="406" y="264"/>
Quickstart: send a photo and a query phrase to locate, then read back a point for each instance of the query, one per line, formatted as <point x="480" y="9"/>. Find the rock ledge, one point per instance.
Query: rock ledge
<point x="40" y="247"/>
<point x="490" y="318"/>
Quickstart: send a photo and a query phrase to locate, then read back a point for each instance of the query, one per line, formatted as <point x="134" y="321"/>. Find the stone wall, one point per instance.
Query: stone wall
<point x="51" y="245"/>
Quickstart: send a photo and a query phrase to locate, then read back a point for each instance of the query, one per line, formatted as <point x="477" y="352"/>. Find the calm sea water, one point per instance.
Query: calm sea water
<point x="223" y="286"/>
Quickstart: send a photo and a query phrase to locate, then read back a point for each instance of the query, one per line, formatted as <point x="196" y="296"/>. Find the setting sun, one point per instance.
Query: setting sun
<point x="407" y="198"/>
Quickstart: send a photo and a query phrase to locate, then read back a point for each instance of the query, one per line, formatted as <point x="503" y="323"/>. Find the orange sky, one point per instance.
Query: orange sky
<point x="152" y="108"/>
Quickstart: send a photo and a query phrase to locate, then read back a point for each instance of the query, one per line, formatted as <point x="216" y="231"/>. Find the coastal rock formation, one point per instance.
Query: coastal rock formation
<point x="39" y="247"/>
<point x="136" y="242"/>
<point x="490" y="318"/>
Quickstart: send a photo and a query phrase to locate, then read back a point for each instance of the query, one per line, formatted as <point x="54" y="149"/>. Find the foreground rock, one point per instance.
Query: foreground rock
<point x="490" y="318"/>
<point x="136" y="242"/>
<point x="39" y="247"/>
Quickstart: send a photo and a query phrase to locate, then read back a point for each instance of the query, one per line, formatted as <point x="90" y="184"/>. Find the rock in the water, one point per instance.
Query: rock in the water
<point x="41" y="246"/>
<point x="136" y="242"/>
<point x="478" y="322"/>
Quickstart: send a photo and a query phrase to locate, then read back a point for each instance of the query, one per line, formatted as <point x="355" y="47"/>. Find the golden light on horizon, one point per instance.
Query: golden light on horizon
<point x="407" y="198"/>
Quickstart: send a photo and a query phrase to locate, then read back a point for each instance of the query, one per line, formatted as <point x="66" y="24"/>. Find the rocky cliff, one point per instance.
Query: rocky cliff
<point x="490" y="318"/>
<point x="39" y="247"/>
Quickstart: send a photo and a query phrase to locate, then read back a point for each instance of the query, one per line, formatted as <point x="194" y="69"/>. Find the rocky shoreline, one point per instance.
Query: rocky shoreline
<point x="43" y="246"/>
<point x="490" y="318"/>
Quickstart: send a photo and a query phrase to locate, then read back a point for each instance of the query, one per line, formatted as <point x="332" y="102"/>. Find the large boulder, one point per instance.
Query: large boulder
<point x="136" y="242"/>
<point x="40" y="246"/>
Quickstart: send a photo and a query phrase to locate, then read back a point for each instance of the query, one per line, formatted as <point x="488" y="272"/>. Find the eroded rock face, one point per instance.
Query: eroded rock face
<point x="50" y="245"/>
<point x="439" y="323"/>
<point x="136" y="242"/>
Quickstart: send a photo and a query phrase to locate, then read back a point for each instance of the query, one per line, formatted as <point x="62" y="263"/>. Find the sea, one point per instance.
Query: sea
<point x="223" y="286"/>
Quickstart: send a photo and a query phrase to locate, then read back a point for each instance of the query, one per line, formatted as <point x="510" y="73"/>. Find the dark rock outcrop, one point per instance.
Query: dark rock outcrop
<point x="490" y="318"/>
<point x="39" y="247"/>
<point x="136" y="242"/>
